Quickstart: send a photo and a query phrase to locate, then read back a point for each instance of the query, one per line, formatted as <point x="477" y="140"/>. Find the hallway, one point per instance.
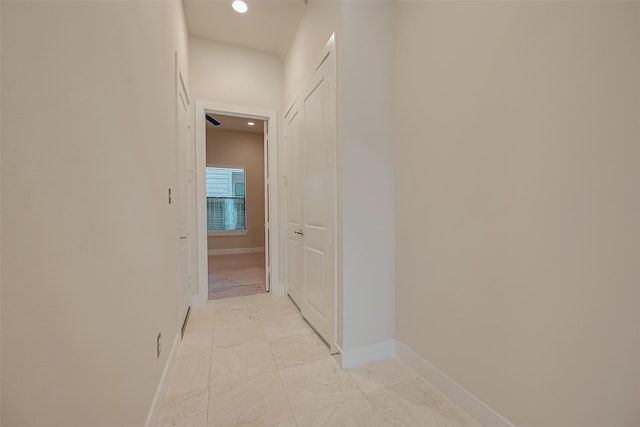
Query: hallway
<point x="253" y="361"/>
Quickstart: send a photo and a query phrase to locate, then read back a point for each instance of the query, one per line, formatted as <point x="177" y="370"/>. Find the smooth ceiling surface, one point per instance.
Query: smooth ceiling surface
<point x="236" y="124"/>
<point x="268" y="25"/>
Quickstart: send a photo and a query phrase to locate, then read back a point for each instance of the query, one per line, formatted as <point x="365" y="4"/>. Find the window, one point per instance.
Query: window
<point x="225" y="199"/>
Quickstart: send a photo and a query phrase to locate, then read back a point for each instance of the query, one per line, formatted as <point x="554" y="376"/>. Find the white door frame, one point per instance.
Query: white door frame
<point x="182" y="156"/>
<point x="271" y="152"/>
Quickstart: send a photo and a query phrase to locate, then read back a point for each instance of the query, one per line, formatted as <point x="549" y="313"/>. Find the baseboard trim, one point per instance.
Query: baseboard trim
<point x="475" y="407"/>
<point x="369" y="353"/>
<point x="235" y="251"/>
<point x="156" y="405"/>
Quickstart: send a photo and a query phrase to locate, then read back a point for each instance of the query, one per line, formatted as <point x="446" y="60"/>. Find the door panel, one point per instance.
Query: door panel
<point x="318" y="204"/>
<point x="316" y="163"/>
<point x="315" y="278"/>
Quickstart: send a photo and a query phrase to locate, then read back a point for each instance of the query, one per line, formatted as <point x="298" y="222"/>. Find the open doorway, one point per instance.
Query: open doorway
<point x="237" y="223"/>
<point x="236" y="200"/>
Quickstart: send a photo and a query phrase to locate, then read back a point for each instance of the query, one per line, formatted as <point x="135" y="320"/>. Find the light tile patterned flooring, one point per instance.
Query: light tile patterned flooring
<point x="253" y="361"/>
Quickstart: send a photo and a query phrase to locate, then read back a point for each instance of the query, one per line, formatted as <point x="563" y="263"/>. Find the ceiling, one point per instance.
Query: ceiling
<point x="236" y="124"/>
<point x="268" y="25"/>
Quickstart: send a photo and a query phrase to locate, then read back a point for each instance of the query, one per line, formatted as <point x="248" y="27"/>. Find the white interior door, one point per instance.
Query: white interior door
<point x="311" y="203"/>
<point x="183" y="124"/>
<point x="294" y="244"/>
<point x="318" y="200"/>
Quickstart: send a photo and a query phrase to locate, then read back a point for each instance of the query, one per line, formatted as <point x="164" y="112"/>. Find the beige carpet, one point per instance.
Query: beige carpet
<point x="223" y="287"/>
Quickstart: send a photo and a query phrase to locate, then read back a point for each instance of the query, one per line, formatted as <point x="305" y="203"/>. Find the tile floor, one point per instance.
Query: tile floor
<point x="253" y="361"/>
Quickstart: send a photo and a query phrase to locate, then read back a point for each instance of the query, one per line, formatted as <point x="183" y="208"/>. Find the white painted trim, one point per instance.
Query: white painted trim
<point x="201" y="108"/>
<point x="235" y="251"/>
<point x="156" y="405"/>
<point x="224" y="233"/>
<point x="475" y="407"/>
<point x="370" y="353"/>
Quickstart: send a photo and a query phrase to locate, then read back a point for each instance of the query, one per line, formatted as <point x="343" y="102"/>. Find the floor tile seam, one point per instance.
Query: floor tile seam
<point x="233" y="324"/>
<point x="288" y="309"/>
<point x="284" y="321"/>
<point x="251" y="340"/>
<point x="354" y="381"/>
<point x="442" y="395"/>
<point x="272" y="355"/>
<point x="395" y="383"/>
<point x="284" y="390"/>
<point x="188" y="333"/>
<point x="320" y="356"/>
<point x="209" y="371"/>
<point x="332" y="404"/>
<point x="298" y="366"/>
<point x="238" y="324"/>
<point x="280" y="323"/>
<point x="446" y="398"/>
<point x="217" y="351"/>
<point x="180" y="356"/>
<point x="375" y="407"/>
<point x="307" y="363"/>
<point x="369" y="395"/>
<point x="275" y="305"/>
<point x="286" y="395"/>
<point x="238" y="306"/>
<point x="292" y="335"/>
<point x="186" y="356"/>
<point x="325" y="406"/>
<point x="171" y="397"/>
<point x="217" y="329"/>
<point x="174" y="374"/>
<point x="260" y="311"/>
<point x="246" y="377"/>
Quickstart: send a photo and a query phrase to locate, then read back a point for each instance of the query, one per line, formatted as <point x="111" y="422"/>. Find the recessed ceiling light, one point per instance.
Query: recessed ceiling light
<point x="250" y="123"/>
<point x="239" y="6"/>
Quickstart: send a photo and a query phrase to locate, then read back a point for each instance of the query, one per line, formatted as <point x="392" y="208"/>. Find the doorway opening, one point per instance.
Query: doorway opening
<point x="236" y="198"/>
<point x="236" y="201"/>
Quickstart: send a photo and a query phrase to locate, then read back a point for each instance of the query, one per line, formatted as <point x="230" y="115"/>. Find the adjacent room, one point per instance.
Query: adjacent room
<point x="235" y="206"/>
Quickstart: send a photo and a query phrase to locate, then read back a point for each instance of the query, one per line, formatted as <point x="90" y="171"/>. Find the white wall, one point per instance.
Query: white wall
<point x="517" y="129"/>
<point x="366" y="262"/>
<point x="0" y="216"/>
<point x="234" y="75"/>
<point x="366" y="158"/>
<point x="88" y="238"/>
<point x="320" y="20"/>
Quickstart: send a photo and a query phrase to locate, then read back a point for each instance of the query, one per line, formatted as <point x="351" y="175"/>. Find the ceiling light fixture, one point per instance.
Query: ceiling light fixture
<point x="250" y="123"/>
<point x="239" y="6"/>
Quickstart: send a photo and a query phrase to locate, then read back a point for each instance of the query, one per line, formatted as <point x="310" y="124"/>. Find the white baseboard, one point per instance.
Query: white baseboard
<point x="156" y="405"/>
<point x="199" y="299"/>
<point x="475" y="407"/>
<point x="370" y="353"/>
<point x="235" y="251"/>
